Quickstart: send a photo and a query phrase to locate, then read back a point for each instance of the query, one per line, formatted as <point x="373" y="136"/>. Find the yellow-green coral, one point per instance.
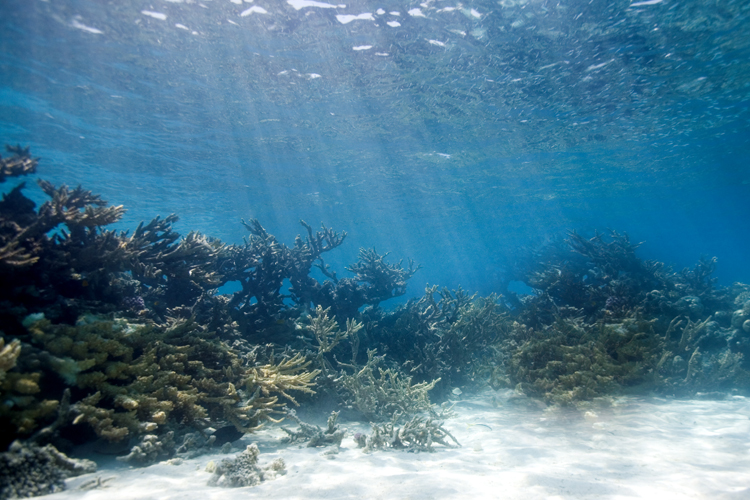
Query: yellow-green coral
<point x="8" y="356"/>
<point x="282" y="377"/>
<point x="326" y="330"/>
<point x="573" y="362"/>
<point x="138" y="377"/>
<point x="18" y="391"/>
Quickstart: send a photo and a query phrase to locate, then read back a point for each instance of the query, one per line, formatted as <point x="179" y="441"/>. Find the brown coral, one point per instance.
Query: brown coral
<point x="139" y="377"/>
<point x="21" y="163"/>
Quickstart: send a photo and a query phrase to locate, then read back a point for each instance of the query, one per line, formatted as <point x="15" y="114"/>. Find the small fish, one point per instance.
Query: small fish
<point x="479" y="425"/>
<point x="227" y="434"/>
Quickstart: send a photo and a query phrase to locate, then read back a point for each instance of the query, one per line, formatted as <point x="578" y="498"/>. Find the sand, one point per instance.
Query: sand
<point x="636" y="448"/>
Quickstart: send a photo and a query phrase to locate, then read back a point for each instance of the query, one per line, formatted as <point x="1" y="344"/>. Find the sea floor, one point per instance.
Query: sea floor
<point x="636" y="448"/>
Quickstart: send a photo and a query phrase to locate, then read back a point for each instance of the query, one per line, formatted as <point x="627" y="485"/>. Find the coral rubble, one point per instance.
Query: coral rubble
<point x="28" y="470"/>
<point x="244" y="470"/>
<point x="418" y="434"/>
<point x="314" y="435"/>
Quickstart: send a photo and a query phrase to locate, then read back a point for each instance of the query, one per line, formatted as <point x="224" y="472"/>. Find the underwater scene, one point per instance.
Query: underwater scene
<point x="298" y="249"/>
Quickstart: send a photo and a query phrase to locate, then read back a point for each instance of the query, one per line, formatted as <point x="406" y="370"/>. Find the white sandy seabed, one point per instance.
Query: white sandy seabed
<point x="637" y="448"/>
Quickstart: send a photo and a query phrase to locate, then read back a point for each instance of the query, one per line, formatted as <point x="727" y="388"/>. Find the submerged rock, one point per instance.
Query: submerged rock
<point x="28" y="470"/>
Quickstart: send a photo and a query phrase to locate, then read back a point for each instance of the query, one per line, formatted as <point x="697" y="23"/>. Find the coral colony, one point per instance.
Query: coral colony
<point x="121" y="337"/>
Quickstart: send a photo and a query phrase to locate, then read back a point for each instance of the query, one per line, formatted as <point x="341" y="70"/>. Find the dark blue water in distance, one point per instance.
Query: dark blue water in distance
<point x="451" y="133"/>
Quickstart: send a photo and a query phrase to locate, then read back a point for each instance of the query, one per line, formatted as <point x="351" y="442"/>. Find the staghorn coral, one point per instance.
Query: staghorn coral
<point x="572" y="361"/>
<point x="261" y="382"/>
<point x="62" y="261"/>
<point x="385" y="394"/>
<point x="282" y="377"/>
<point x="75" y="208"/>
<point x="26" y="231"/>
<point x="447" y="339"/>
<point x="606" y="322"/>
<point x="326" y="330"/>
<point x="314" y="435"/>
<point x="381" y="280"/>
<point x="177" y="271"/>
<point x="263" y="263"/>
<point x="600" y="321"/>
<point x="56" y="251"/>
<point x="562" y="366"/>
<point x="416" y="435"/>
<point x="327" y="336"/>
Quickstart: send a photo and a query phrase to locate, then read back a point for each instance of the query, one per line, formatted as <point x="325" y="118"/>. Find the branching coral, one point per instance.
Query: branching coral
<point x="285" y="376"/>
<point x="177" y="270"/>
<point x="382" y="280"/>
<point x="55" y="252"/>
<point x="61" y="251"/>
<point x="21" y="163"/>
<point x="327" y="336"/>
<point x="23" y="238"/>
<point x="446" y="339"/>
<point x="326" y="330"/>
<point x="314" y="435"/>
<point x="381" y="396"/>
<point x="600" y="320"/>
<point x="263" y="263"/>
<point x="606" y="321"/>
<point x="418" y="434"/>
<point x="562" y="366"/>
<point x="572" y="361"/>
<point x="150" y="449"/>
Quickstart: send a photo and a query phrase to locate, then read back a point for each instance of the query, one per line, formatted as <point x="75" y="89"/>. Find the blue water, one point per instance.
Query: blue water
<point x="454" y="138"/>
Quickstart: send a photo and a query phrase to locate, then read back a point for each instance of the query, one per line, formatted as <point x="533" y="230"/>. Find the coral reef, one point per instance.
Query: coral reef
<point x="611" y="323"/>
<point x="137" y="379"/>
<point x="63" y="263"/>
<point x="28" y="470"/>
<point x="571" y="362"/>
<point x="375" y="392"/>
<point x="244" y="470"/>
<point x="447" y="340"/>
<point x="125" y="336"/>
